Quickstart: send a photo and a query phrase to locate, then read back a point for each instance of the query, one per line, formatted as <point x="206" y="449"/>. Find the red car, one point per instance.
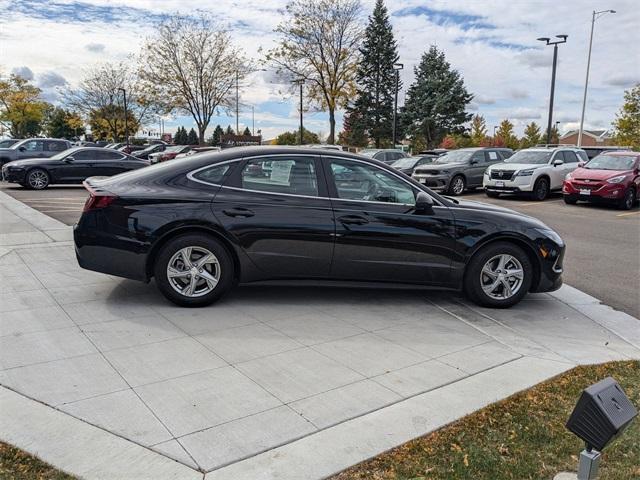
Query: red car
<point x="612" y="177"/>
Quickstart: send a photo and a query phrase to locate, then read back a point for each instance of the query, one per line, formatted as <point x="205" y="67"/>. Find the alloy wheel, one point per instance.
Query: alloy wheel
<point x="38" y="179"/>
<point x="542" y="189"/>
<point x="193" y="271"/>
<point x="458" y="185"/>
<point x="502" y="277"/>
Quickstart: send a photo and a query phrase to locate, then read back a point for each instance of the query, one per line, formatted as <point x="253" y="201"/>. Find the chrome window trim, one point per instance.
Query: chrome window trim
<point x="190" y="176"/>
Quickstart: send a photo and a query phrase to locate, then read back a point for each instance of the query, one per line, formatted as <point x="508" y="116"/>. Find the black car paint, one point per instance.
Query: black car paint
<point x="289" y="237"/>
<point x="72" y="170"/>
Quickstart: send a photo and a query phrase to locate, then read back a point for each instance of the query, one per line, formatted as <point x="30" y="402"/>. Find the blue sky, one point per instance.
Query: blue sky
<point x="492" y="43"/>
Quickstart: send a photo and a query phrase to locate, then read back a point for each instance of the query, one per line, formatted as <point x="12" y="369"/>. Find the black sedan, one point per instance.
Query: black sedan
<point x="70" y="166"/>
<point x="201" y="224"/>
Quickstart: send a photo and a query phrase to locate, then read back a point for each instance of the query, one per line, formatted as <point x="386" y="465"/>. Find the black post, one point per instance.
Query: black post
<point x="553" y="86"/>
<point x="395" y="109"/>
<point x="301" y="126"/>
<point x="126" y="126"/>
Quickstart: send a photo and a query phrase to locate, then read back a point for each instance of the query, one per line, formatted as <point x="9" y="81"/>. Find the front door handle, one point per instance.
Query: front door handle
<point x="238" y="212"/>
<point x="353" y="220"/>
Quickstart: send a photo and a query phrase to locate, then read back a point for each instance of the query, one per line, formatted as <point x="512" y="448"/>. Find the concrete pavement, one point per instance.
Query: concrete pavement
<point x="103" y="378"/>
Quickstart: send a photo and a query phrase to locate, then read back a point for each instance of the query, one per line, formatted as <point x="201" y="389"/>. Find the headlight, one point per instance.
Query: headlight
<point x="525" y="173"/>
<point x="618" y="179"/>
<point x="551" y="235"/>
<point x="486" y="173"/>
<point x="568" y="177"/>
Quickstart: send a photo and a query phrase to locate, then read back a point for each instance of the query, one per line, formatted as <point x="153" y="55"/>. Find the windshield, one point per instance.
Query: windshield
<point x="7" y="143"/>
<point x="611" y="162"/>
<point x="460" y="156"/>
<point x="407" y="162"/>
<point x="177" y="148"/>
<point x="537" y="157"/>
<point x="65" y="153"/>
<point x="369" y="152"/>
<point x="147" y="149"/>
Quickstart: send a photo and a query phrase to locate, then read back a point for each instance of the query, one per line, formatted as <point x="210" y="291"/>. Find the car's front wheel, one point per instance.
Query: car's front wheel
<point x="38" y="179"/>
<point x="540" y="189"/>
<point x="457" y="185"/>
<point x="194" y="270"/>
<point x="629" y="199"/>
<point x="570" y="199"/>
<point x="498" y="276"/>
<point x="492" y="194"/>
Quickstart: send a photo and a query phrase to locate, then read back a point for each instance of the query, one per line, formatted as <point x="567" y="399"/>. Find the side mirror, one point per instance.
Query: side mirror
<point x="581" y="164"/>
<point x="557" y="163"/>
<point x="22" y="149"/>
<point x="473" y="162"/>
<point x="69" y="159"/>
<point x="424" y="203"/>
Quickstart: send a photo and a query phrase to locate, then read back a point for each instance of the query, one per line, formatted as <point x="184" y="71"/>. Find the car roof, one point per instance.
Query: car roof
<point x="622" y="153"/>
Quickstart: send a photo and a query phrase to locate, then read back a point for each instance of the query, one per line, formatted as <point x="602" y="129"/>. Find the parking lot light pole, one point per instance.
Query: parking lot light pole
<point x="594" y="17"/>
<point x="300" y="81"/>
<point x="396" y="67"/>
<point x="126" y="127"/>
<point x="563" y="39"/>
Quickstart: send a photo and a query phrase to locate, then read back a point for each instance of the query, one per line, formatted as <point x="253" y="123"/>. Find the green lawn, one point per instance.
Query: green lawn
<point x="521" y="437"/>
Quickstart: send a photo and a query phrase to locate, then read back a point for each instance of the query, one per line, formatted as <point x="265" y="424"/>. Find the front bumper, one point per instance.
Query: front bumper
<point x="515" y="185"/>
<point x="551" y="258"/>
<point x="434" y="182"/>
<point x="594" y="192"/>
<point x="13" y="176"/>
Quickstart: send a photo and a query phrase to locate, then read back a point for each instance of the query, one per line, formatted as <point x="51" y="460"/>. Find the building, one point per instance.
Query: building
<point x="590" y="138"/>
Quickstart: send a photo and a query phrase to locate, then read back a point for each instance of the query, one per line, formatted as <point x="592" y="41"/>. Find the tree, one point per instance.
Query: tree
<point x="505" y="133"/>
<point x="247" y="132"/>
<point x="448" y="142"/>
<point x="229" y="131"/>
<point x="293" y="137"/>
<point x="376" y="79"/>
<point x="61" y="123"/>
<point x="478" y="130"/>
<point x="214" y="140"/>
<point x="194" y="62"/>
<point x="627" y="123"/>
<point x="319" y="44"/>
<point x="102" y="92"/>
<point x="555" y="136"/>
<point x="436" y="101"/>
<point x="353" y="133"/>
<point x="531" y="136"/>
<point x="192" y="138"/>
<point x="22" y="111"/>
<point x="181" y="136"/>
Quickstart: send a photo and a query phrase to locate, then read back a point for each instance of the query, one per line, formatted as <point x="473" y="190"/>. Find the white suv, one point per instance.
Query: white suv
<point x="536" y="171"/>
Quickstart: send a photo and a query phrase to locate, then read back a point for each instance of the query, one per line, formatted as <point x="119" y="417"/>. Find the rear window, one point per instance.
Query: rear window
<point x="214" y="174"/>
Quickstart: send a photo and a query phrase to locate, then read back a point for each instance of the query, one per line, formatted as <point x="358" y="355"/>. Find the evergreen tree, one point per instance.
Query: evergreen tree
<point x="531" y="136"/>
<point x="505" y="133"/>
<point x="478" y="130"/>
<point x="247" y="132"/>
<point x="436" y="101"/>
<point x="627" y="123"/>
<point x="214" y="140"/>
<point x="353" y="133"/>
<point x="555" y="136"/>
<point x="376" y="80"/>
<point x="192" y="138"/>
<point x="229" y="131"/>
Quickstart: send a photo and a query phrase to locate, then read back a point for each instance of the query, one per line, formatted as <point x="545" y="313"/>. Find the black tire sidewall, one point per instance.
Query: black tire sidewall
<point x="536" y="186"/>
<point x="453" y="180"/>
<point x="33" y="170"/>
<point x="492" y="194"/>
<point x="623" y="201"/>
<point x="472" y="286"/>
<point x="193" y="240"/>
<point x="570" y="199"/>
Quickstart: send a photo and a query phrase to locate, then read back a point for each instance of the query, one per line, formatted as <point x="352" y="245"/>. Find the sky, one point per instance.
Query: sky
<point x="491" y="43"/>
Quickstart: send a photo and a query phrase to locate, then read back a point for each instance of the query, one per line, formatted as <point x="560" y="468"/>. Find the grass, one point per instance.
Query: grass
<point x="521" y="437"/>
<point x="16" y="464"/>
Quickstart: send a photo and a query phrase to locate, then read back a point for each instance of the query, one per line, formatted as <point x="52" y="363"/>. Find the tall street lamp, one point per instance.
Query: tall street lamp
<point x="126" y="127"/>
<point x="563" y="39"/>
<point x="396" y="67"/>
<point x="300" y="81"/>
<point x="594" y="17"/>
<point x="494" y="135"/>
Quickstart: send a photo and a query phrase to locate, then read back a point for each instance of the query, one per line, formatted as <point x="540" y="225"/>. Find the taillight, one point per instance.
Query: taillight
<point x="98" y="201"/>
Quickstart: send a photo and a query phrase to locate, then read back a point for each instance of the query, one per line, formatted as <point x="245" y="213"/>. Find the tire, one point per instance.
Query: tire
<point x="457" y="185"/>
<point x="204" y="290"/>
<point x="628" y="201"/>
<point x="37" y="179"/>
<point x="490" y="256"/>
<point x="492" y="194"/>
<point x="540" y="189"/>
<point x="570" y="199"/>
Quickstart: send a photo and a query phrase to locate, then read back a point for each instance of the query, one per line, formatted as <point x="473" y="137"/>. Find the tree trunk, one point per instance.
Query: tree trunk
<point x="332" y="126"/>
<point x="201" y="134"/>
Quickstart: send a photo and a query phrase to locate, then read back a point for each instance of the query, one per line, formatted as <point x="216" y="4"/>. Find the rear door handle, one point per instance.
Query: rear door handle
<point x="353" y="220"/>
<point x="238" y="212"/>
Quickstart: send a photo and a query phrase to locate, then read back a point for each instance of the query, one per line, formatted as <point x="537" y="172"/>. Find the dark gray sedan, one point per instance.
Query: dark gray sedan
<point x="460" y="170"/>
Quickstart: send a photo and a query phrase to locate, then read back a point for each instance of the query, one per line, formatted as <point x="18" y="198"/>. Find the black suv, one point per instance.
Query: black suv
<point x="458" y="170"/>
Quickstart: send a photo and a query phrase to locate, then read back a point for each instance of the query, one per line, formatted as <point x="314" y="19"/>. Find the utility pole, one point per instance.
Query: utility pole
<point x="300" y="81"/>
<point x="594" y="17"/>
<point x="397" y="67"/>
<point x="237" y="103"/>
<point x="563" y="39"/>
<point x="126" y="127"/>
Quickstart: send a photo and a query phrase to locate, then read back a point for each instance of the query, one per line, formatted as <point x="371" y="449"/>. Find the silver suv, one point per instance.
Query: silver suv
<point x="33" y="148"/>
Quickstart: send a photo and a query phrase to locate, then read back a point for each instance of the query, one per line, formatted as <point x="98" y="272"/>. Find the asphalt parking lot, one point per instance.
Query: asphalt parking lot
<point x="603" y="258"/>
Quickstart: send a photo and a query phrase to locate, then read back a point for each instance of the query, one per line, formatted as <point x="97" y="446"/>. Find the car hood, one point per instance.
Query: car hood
<point x="488" y="207"/>
<point x="3" y="150"/>
<point x="598" y="174"/>
<point x="26" y="162"/>
<point x="515" y="166"/>
<point x="439" y="167"/>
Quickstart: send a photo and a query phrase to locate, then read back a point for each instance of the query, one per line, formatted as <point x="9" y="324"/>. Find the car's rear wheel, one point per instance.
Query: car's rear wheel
<point x="492" y="194"/>
<point x="457" y="185"/>
<point x="37" y="179"/>
<point x="570" y="199"/>
<point x="628" y="201"/>
<point x="194" y="270"/>
<point x="540" y="189"/>
<point x="498" y="276"/>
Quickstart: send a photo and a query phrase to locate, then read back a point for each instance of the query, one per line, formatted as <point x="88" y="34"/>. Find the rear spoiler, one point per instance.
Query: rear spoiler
<point x="93" y="185"/>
